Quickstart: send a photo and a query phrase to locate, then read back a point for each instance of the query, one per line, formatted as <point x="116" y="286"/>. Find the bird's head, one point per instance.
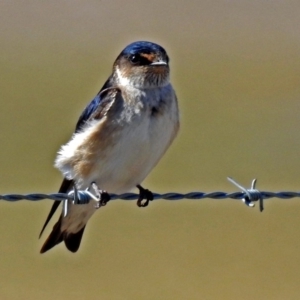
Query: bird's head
<point x="142" y="65"/>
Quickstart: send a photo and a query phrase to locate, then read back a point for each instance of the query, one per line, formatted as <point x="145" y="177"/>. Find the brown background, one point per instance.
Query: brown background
<point x="235" y="66"/>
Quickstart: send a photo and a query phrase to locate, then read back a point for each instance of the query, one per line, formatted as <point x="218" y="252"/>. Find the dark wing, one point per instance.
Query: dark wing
<point x="93" y="105"/>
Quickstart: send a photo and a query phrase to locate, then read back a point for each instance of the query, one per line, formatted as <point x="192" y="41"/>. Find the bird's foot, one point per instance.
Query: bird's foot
<point x="102" y="195"/>
<point x="144" y="195"/>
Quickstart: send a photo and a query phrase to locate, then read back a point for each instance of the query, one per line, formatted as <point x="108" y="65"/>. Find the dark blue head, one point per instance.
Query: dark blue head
<point x="142" y="64"/>
<point x="145" y="53"/>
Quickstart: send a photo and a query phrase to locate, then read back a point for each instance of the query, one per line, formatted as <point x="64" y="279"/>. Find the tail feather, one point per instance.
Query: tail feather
<point x="72" y="240"/>
<point x="51" y="213"/>
<point x="55" y="237"/>
<point x="64" y="188"/>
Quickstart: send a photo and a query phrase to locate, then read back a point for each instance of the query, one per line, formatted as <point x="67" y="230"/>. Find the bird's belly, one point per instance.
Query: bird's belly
<point x="120" y="159"/>
<point x="136" y="152"/>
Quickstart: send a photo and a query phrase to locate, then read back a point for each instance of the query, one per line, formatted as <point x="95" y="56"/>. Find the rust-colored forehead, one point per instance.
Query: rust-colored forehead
<point x="149" y="56"/>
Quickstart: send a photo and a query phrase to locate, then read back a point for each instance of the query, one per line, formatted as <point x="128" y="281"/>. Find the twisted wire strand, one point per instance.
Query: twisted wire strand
<point x="248" y="196"/>
<point x="167" y="196"/>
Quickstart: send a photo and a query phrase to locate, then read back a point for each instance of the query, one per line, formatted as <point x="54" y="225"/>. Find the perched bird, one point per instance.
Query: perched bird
<point x="119" y="137"/>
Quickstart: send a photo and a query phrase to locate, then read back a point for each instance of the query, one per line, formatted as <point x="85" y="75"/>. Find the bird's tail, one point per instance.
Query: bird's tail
<point x="72" y="240"/>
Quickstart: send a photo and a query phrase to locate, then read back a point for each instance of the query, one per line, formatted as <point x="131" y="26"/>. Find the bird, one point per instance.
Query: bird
<point x="119" y="138"/>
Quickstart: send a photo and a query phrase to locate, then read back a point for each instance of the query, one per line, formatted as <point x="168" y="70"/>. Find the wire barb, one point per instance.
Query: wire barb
<point x="251" y="194"/>
<point x="78" y="198"/>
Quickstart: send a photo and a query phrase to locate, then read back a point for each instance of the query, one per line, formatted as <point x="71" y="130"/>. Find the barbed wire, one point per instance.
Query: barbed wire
<point x="248" y="196"/>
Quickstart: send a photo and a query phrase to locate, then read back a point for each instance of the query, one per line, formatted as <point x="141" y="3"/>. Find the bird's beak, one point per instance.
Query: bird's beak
<point x="159" y="63"/>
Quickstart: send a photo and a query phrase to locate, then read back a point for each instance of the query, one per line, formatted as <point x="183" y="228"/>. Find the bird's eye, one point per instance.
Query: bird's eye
<point x="134" y="58"/>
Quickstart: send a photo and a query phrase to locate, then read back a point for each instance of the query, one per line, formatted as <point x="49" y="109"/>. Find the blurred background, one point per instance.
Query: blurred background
<point x="235" y="67"/>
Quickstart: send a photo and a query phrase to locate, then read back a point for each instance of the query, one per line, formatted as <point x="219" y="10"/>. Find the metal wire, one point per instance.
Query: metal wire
<point x="168" y="196"/>
<point x="248" y="196"/>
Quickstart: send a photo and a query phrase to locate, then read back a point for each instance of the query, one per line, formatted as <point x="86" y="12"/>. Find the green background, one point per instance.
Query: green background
<point x="235" y="67"/>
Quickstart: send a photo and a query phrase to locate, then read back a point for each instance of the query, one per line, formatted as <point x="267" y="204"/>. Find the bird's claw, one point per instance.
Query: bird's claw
<point x="102" y="195"/>
<point x="144" y="195"/>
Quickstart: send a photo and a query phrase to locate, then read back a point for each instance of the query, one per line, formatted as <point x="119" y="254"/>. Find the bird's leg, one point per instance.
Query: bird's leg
<point x="102" y="195"/>
<point x="144" y="194"/>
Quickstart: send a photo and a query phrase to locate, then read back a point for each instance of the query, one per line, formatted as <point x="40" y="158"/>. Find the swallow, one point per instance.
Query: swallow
<point x="119" y="138"/>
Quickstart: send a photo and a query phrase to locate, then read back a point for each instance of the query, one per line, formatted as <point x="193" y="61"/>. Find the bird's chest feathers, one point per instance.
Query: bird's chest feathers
<point x="144" y="114"/>
<point x="143" y="104"/>
<point x="131" y="137"/>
